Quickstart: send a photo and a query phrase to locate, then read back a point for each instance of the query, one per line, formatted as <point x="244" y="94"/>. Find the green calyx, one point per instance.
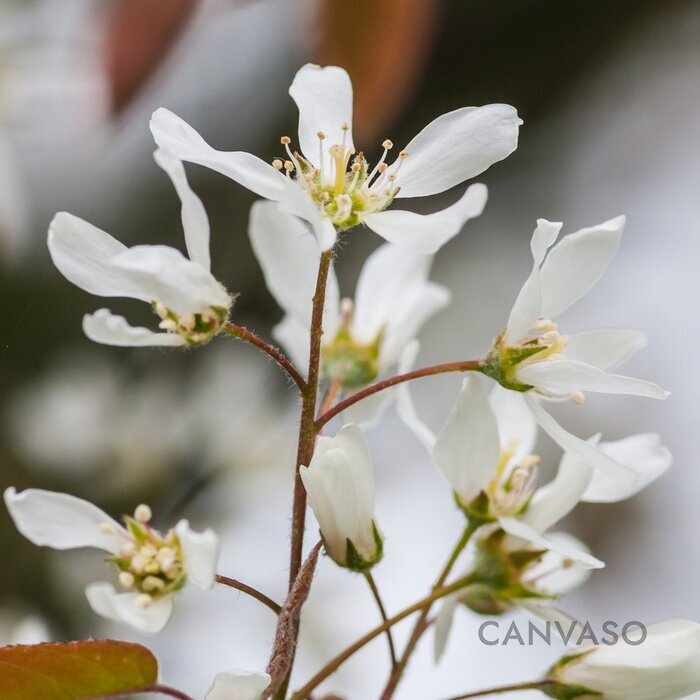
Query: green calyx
<point x="353" y="364"/>
<point x="502" y="360"/>
<point x="355" y="562"/>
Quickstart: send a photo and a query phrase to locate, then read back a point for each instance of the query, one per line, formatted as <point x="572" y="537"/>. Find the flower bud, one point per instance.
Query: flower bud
<point x="340" y="485"/>
<point x="663" y="665"/>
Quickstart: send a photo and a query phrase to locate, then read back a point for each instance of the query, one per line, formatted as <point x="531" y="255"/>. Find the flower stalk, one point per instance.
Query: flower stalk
<point x="249" y="590"/>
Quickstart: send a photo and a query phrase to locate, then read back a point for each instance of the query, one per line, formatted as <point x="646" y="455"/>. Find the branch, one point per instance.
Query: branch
<point x="382" y="612"/>
<point x="466" y="366"/>
<point x="254" y="593"/>
<point x="535" y="685"/>
<point x="277" y="355"/>
<point x="161" y="689"/>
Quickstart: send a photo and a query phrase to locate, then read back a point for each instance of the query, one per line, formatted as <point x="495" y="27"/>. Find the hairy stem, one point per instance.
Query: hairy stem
<point x="307" y="432"/>
<point x="382" y="612"/>
<point x="535" y="685"/>
<point x="277" y="355"/>
<point x="420" y="626"/>
<point x="249" y="590"/>
<point x="334" y="664"/>
<point x="466" y="366"/>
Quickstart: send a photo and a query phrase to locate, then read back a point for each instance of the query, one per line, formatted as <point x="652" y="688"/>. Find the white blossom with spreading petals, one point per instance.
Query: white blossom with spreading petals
<point x="190" y="302"/>
<point x="238" y="685"/>
<point x="333" y="189"/>
<point x="340" y="485"/>
<point x="363" y="338"/>
<point x="152" y="567"/>
<point x="534" y="358"/>
<point x="665" y="666"/>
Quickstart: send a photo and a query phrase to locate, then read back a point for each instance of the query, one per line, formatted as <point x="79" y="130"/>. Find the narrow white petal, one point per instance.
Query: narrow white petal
<point x="570" y="443"/>
<point x="295" y="200"/>
<point x="520" y="529"/>
<point x="238" y="685"/>
<point x="195" y="221"/>
<point x="119" y="607"/>
<point x="178" y="137"/>
<point x="606" y="348"/>
<point x="644" y="454"/>
<point x="467" y="448"/>
<point x="554" y="573"/>
<point x="562" y="377"/>
<point x="368" y="412"/>
<point x="405" y="406"/>
<point x="443" y="625"/>
<point x="61" y="521"/>
<point x="324" y="99"/>
<point x="105" y="327"/>
<point x="516" y="424"/>
<point x="561" y="495"/>
<point x="455" y="147"/>
<point x="289" y="256"/>
<point x="427" y="233"/>
<point x="570" y="627"/>
<point x="167" y="276"/>
<point x="528" y="305"/>
<point x="576" y="264"/>
<point x="84" y="255"/>
<point x="200" y="553"/>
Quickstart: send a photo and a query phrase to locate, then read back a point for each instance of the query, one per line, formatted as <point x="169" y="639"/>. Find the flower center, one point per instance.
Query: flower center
<point x="149" y="563"/>
<point x="513" y="486"/>
<point x="343" y="187"/>
<point x="196" y="329"/>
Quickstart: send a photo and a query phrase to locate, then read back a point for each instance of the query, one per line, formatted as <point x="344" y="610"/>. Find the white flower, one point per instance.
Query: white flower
<point x="340" y="485"/>
<point x="532" y="357"/>
<point x="484" y="451"/>
<point x="238" y="685"/>
<point x="665" y="666"/>
<point x="190" y="302"/>
<point x="361" y="339"/>
<point x="151" y="566"/>
<point x="16" y="628"/>
<point x="333" y="189"/>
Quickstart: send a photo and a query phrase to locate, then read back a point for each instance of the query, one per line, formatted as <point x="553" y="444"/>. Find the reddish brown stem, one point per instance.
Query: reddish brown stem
<point x="465" y="366"/>
<point x="249" y="590"/>
<point x="245" y="334"/>
<point x="535" y="685"/>
<point x="161" y="689"/>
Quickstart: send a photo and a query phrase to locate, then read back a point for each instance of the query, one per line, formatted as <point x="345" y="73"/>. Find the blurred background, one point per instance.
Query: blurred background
<point x="610" y="96"/>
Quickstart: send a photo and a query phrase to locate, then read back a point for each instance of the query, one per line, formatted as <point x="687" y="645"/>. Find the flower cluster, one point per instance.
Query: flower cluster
<point x="341" y="353"/>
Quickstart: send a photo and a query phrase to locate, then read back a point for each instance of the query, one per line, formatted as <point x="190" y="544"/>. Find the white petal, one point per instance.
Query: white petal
<point x="520" y="529"/>
<point x="570" y="627"/>
<point x="516" y="424"/>
<point x="119" y="607"/>
<point x="576" y="264"/>
<point x="443" y="624"/>
<point x="200" y="553"/>
<point x="455" y="147"/>
<point x="606" y="348"/>
<point x="570" y="443"/>
<point x="528" y="306"/>
<point x="61" y="521"/>
<point x="178" y="137"/>
<point x="561" y="495"/>
<point x="167" y="276"/>
<point x="555" y="574"/>
<point x="427" y="233"/>
<point x="289" y="256"/>
<point x="643" y="453"/>
<point x="195" y="221"/>
<point x="562" y="377"/>
<point x="405" y="406"/>
<point x="324" y="99"/>
<point x="295" y="200"/>
<point x="238" y="685"/>
<point x="368" y="412"/>
<point x="84" y="255"/>
<point x="294" y="338"/>
<point x="467" y="448"/>
<point x="105" y="327"/>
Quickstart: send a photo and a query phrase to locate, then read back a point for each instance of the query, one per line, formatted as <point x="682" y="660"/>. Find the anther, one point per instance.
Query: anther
<point x="403" y="154"/>
<point x="107" y="528"/>
<point x="289" y="166"/>
<point x="143" y="513"/>
<point x="277" y="164"/>
<point x="578" y="397"/>
<point x="152" y="583"/>
<point x="285" y="140"/>
<point x="126" y="580"/>
<point x="387" y="144"/>
<point x="128" y="550"/>
<point x="321" y="135"/>
<point x="143" y="601"/>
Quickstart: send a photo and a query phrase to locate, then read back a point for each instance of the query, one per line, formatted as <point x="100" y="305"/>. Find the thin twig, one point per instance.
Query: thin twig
<point x="535" y="685"/>
<point x="245" y="334"/>
<point x="382" y="610"/>
<point x="158" y="688"/>
<point x="253" y="592"/>
<point x="466" y="366"/>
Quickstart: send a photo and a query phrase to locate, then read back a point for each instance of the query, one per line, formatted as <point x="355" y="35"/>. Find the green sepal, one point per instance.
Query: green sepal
<point x="568" y="692"/>
<point x="502" y="360"/>
<point x="355" y="562"/>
